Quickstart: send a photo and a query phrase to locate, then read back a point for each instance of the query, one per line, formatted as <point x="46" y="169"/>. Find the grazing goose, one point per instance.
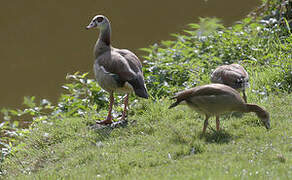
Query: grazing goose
<point x="116" y="70"/>
<point x="233" y="75"/>
<point x="215" y="99"/>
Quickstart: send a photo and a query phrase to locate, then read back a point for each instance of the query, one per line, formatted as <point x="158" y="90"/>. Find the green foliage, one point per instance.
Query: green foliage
<point x="59" y="142"/>
<point x="189" y="60"/>
<point x="83" y="94"/>
<point x="11" y="129"/>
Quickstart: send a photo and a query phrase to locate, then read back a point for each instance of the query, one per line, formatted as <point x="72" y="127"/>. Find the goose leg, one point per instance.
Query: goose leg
<point x="109" y="118"/>
<point x="244" y="96"/>
<point x="217" y="123"/>
<point x="205" y="124"/>
<point x="125" y="107"/>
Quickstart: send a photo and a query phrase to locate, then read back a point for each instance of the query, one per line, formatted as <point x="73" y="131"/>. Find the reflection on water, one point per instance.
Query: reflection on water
<point x="42" y="41"/>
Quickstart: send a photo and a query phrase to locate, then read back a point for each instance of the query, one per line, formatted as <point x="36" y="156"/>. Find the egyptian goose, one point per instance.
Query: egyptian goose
<point x="215" y="99"/>
<point x="233" y="75"/>
<point x="116" y="70"/>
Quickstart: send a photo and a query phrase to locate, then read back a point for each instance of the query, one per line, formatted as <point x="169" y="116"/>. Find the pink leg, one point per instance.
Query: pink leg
<point x="205" y="124"/>
<point x="125" y="107"/>
<point x="244" y="96"/>
<point x="109" y="118"/>
<point x="217" y="123"/>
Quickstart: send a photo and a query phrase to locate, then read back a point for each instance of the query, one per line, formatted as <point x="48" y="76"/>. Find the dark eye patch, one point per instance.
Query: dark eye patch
<point x="99" y="19"/>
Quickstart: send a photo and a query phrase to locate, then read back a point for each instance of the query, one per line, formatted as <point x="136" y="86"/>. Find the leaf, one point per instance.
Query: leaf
<point x="29" y="101"/>
<point x="84" y="75"/>
<point x="167" y="43"/>
<point x="148" y="50"/>
<point x="194" y="26"/>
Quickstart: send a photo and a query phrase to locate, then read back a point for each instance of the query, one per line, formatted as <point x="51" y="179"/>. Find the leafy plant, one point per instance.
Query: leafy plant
<point x="263" y="47"/>
<point x="189" y="60"/>
<point x="83" y="94"/>
<point x="82" y="97"/>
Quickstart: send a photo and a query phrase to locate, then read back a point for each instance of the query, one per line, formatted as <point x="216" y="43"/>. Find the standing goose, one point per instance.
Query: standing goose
<point x="116" y="70"/>
<point x="215" y="99"/>
<point x="233" y="75"/>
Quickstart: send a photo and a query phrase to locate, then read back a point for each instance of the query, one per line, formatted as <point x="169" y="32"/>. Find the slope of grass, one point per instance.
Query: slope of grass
<point x="160" y="143"/>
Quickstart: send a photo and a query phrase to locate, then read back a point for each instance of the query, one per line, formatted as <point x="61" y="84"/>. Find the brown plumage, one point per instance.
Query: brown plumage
<point x="215" y="99"/>
<point x="233" y="75"/>
<point x="116" y="70"/>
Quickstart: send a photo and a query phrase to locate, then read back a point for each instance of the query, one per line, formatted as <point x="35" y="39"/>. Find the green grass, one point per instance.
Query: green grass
<point x="160" y="144"/>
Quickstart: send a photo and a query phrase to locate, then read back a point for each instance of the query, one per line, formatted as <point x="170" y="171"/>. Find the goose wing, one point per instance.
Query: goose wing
<point x="126" y="67"/>
<point x="232" y="75"/>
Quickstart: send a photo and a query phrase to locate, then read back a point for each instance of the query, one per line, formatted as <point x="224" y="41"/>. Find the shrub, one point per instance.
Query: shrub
<point x="189" y="60"/>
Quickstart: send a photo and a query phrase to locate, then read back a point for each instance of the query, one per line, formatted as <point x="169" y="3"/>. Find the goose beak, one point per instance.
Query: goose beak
<point x="91" y="25"/>
<point x="267" y="124"/>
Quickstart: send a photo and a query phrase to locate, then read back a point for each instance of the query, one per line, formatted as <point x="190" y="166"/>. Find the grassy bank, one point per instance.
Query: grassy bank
<point x="159" y="143"/>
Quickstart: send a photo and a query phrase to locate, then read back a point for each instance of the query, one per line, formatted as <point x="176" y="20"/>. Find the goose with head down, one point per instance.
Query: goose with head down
<point x="116" y="70"/>
<point x="215" y="99"/>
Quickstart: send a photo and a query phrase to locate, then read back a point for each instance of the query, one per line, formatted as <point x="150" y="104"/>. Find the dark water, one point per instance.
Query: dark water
<point x="42" y="41"/>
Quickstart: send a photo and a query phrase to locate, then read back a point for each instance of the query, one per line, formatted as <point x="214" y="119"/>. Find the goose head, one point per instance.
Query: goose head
<point x="98" y="21"/>
<point x="265" y="118"/>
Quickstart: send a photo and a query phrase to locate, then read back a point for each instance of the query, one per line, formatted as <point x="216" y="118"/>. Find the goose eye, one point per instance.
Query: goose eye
<point x="99" y="19"/>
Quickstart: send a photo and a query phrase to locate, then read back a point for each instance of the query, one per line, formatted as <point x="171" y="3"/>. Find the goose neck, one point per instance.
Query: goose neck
<point x="105" y="35"/>
<point x="103" y="43"/>
<point x="256" y="109"/>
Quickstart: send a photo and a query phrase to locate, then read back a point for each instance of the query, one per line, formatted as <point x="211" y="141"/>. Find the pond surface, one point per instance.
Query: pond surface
<point x="42" y="41"/>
